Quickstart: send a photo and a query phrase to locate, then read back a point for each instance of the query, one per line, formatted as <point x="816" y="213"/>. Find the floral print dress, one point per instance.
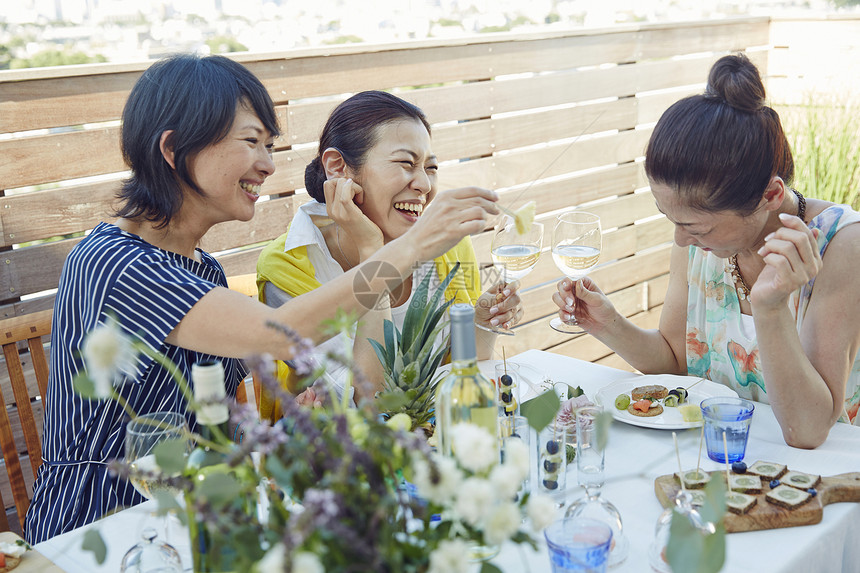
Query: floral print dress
<point x="721" y="342"/>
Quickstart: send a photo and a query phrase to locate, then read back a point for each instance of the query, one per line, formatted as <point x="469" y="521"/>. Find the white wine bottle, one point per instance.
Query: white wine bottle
<point x="211" y="553"/>
<point x="465" y="395"/>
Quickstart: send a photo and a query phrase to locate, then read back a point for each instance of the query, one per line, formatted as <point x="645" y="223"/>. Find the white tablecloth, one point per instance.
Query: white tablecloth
<point x="635" y="457"/>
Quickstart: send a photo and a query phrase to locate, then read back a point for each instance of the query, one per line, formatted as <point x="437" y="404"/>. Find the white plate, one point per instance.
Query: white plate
<point x="533" y="380"/>
<point x="671" y="418"/>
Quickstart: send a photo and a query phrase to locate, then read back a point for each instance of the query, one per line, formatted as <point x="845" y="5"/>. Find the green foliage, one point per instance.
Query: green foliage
<point x="411" y="358"/>
<point x="93" y="542"/>
<point x="845" y="3"/>
<point x="55" y="57"/>
<point x="448" y="22"/>
<point x="225" y="44"/>
<point x="825" y="140"/>
<point x="692" y="548"/>
<point x="541" y="409"/>
<point x="345" y="39"/>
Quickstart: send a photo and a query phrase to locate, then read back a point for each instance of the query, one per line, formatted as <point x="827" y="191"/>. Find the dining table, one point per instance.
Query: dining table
<point x="635" y="456"/>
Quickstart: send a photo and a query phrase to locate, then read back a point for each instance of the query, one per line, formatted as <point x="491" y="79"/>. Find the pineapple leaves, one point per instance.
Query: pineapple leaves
<point x="410" y="357"/>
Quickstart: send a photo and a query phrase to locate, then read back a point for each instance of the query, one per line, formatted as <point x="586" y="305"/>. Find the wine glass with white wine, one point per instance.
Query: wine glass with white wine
<point x="576" y="244"/>
<point x="142" y="435"/>
<point x="515" y="254"/>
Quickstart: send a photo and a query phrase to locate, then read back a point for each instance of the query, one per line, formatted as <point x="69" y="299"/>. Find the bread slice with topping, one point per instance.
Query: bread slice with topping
<point x="787" y="496"/>
<point x="767" y="470"/>
<point x="739" y="503"/>
<point x="745" y="483"/>
<point x="693" y="479"/>
<point x="800" y="480"/>
<point x="651" y="392"/>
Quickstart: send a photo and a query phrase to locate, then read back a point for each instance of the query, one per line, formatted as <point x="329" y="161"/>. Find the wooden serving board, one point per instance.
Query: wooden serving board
<point x="765" y="515"/>
<point x="32" y="561"/>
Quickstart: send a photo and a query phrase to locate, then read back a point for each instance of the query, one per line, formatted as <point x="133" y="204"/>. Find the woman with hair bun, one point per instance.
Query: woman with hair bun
<point x="373" y="183"/>
<point x="761" y="292"/>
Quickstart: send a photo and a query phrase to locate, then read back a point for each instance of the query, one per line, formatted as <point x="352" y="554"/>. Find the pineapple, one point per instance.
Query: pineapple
<point x="409" y="359"/>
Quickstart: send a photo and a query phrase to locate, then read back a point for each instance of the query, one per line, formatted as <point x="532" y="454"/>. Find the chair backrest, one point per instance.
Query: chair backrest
<point x="20" y="434"/>
<point x="245" y="284"/>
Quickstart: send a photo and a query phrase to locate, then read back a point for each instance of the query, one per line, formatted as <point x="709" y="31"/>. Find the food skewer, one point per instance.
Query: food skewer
<point x="701" y="439"/>
<point x="726" y="453"/>
<point x="680" y="468"/>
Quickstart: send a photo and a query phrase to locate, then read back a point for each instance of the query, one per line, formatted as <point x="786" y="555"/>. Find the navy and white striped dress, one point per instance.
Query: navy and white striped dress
<point x="148" y="291"/>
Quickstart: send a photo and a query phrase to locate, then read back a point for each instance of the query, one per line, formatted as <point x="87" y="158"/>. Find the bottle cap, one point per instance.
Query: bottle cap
<point x="462" y="332"/>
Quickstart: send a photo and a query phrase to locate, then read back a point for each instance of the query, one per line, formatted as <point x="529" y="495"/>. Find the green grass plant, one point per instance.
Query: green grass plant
<point x="824" y="134"/>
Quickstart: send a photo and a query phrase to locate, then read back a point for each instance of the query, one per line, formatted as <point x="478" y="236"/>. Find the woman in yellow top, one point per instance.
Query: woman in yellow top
<point x="373" y="177"/>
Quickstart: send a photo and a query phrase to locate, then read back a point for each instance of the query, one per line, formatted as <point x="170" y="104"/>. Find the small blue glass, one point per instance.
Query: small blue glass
<point x="578" y="544"/>
<point x="729" y="415"/>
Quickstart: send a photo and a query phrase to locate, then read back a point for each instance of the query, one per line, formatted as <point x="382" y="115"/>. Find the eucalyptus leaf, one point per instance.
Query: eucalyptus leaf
<point x="541" y="409"/>
<point x="219" y="488"/>
<point x="602" y="422"/>
<point x="84" y="386"/>
<point x="167" y="503"/>
<point x="93" y="542"/>
<point x="689" y="549"/>
<point x="489" y="568"/>
<point x="170" y="455"/>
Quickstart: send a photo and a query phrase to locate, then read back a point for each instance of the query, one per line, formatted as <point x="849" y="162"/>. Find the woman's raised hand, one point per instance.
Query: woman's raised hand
<point x="500" y="305"/>
<point x="791" y="259"/>
<point x="342" y="198"/>
<point x="591" y="307"/>
<point x="452" y="215"/>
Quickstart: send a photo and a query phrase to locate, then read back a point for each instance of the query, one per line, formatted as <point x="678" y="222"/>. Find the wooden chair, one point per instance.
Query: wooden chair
<point x="16" y="416"/>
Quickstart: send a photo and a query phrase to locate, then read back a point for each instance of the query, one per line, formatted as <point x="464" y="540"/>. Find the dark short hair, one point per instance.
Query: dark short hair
<point x="720" y="149"/>
<point x="353" y="129"/>
<point x="195" y="97"/>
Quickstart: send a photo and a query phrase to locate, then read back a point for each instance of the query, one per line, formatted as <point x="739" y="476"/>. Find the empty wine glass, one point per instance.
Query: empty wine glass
<point x="576" y="245"/>
<point x="590" y="459"/>
<point x="515" y="255"/>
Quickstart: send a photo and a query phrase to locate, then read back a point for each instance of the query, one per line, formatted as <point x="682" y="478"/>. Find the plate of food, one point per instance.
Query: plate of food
<point x="661" y="401"/>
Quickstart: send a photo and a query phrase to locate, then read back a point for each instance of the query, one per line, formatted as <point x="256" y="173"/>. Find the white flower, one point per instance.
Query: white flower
<point x="108" y="352"/>
<point x="304" y="562"/>
<point x="273" y="560"/>
<point x="506" y="480"/>
<point x="449" y="478"/>
<point x="475" y="448"/>
<point x="475" y="499"/>
<point x="452" y="556"/>
<point x="517" y="457"/>
<point x="502" y="523"/>
<point x="541" y="511"/>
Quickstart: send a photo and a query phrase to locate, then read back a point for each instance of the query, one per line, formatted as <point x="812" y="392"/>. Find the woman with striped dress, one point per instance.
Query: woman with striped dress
<point x="198" y="135"/>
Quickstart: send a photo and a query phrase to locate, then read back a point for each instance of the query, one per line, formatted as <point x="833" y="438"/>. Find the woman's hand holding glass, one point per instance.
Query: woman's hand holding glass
<point x="515" y="254"/>
<point x="500" y="306"/>
<point x="576" y="245"/>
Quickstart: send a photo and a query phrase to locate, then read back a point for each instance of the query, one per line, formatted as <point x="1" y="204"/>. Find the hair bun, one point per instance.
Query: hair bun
<point x="736" y="80"/>
<point x="315" y="179"/>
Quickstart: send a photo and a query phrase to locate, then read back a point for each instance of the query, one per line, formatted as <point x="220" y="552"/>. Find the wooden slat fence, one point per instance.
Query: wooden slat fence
<point x="559" y="118"/>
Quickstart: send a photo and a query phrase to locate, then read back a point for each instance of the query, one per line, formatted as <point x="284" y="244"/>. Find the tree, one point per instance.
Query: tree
<point x="55" y="57"/>
<point x="225" y="44"/>
<point x="845" y="3"/>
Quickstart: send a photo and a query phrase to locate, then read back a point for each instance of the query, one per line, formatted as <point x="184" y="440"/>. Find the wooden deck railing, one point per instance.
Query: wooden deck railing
<point x="559" y="118"/>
